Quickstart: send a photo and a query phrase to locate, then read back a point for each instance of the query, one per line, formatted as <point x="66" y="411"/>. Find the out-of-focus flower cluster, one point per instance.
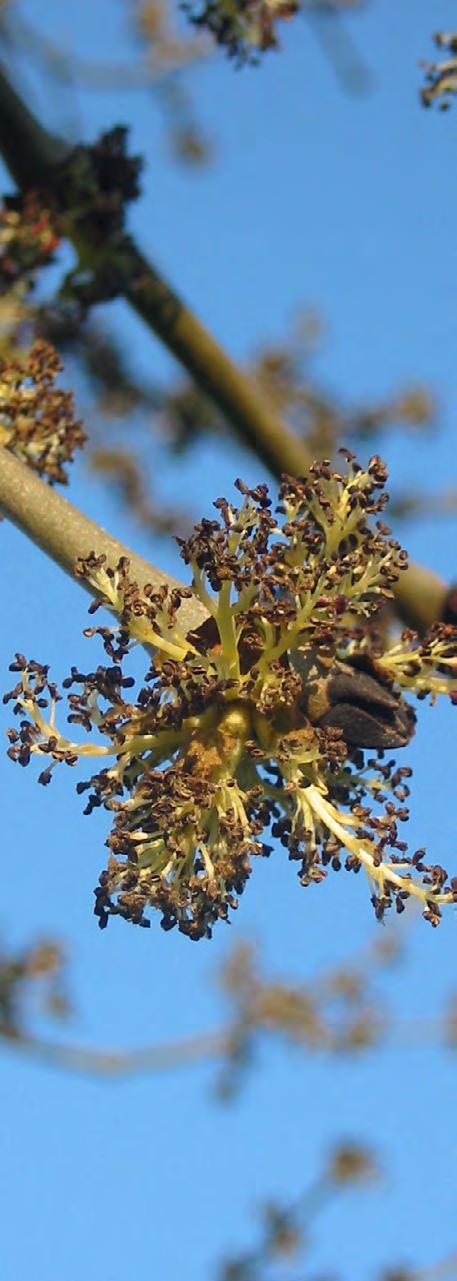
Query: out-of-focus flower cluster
<point x="39" y="966"/>
<point x="259" y="719"/>
<point x="28" y="239"/>
<point x="339" y="1011"/>
<point x="91" y="191"/>
<point x="285" y="1234"/>
<point x="37" y="419"/>
<point x="246" y="28"/>
<point x="441" y="77"/>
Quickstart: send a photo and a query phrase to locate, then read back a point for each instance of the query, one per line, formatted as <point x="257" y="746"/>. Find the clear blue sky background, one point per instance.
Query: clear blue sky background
<point x="346" y="203"/>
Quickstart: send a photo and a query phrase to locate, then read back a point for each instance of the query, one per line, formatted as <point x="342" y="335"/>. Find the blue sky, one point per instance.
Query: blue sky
<point x="348" y="204"/>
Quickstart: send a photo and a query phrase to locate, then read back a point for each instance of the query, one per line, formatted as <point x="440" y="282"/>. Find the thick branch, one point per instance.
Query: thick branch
<point x="28" y="150"/>
<point x="230" y="389"/>
<point x="30" y="153"/>
<point x="64" y="533"/>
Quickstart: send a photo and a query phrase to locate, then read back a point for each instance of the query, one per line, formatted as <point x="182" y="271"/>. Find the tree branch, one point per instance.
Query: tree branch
<point x="29" y="150"/>
<point x="121" y="1064"/>
<point x="31" y="154"/>
<point x="231" y="390"/>
<point x="64" y="533"/>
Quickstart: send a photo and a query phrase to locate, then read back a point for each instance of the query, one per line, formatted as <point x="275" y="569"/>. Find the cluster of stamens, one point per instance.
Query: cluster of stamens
<point x="245" y="28"/>
<point x="37" y="419"/>
<point x="258" y="721"/>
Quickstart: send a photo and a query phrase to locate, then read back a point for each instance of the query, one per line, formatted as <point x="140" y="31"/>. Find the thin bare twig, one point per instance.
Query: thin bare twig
<point x="205" y="1046"/>
<point x="119" y="1064"/>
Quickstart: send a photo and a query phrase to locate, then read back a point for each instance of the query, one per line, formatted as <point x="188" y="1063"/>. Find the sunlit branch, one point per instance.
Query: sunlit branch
<point x="65" y="534"/>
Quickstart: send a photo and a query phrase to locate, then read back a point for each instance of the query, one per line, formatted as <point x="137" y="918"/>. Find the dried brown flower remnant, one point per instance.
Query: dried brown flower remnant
<point x="230" y="734"/>
<point x="37" y="419"/>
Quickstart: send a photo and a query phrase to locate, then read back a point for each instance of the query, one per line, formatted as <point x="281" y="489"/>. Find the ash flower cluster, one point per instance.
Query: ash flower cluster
<point x="441" y="76"/>
<point x="257" y="721"/>
<point x="37" y="419"/>
<point x="245" y="28"/>
<point x="28" y="239"/>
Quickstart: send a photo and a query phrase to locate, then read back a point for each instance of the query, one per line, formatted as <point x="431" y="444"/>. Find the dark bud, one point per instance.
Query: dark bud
<point x="354" y="698"/>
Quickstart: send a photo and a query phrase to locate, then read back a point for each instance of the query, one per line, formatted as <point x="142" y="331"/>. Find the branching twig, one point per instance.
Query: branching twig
<point x="206" y="1046"/>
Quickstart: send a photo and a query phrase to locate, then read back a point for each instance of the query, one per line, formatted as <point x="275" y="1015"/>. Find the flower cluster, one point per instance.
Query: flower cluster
<point x="42" y="964"/>
<point x="90" y="192"/>
<point x="28" y="239"/>
<point x="96" y="182"/>
<point x="259" y="719"/>
<point x="441" y="77"/>
<point x="37" y="419"/>
<point x="245" y="27"/>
